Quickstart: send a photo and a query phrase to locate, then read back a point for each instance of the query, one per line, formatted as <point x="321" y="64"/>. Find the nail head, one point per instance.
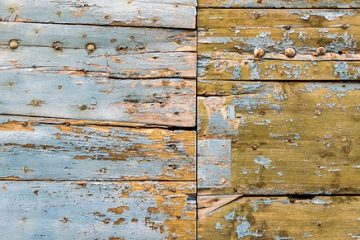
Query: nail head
<point x="290" y="52"/>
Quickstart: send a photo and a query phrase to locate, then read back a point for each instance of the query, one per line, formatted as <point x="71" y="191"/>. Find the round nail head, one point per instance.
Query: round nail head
<point x="13" y="44"/>
<point x="320" y="51"/>
<point x="57" y="46"/>
<point x="90" y="47"/>
<point x="290" y="52"/>
<point x="259" y="52"/>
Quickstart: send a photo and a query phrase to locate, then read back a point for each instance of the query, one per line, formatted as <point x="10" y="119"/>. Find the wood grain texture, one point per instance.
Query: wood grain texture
<point x="60" y="94"/>
<point x="281" y="218"/>
<point x="122" y="210"/>
<point x="165" y="13"/>
<point x="279" y="4"/>
<point x="32" y="149"/>
<point x="323" y="18"/>
<point x="284" y="138"/>
<point x="108" y="40"/>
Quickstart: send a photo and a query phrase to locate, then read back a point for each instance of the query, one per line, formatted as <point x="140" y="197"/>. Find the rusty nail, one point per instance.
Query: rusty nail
<point x="320" y="51"/>
<point x="259" y="52"/>
<point x="13" y="44"/>
<point x="290" y="52"/>
<point x="90" y="47"/>
<point x="57" y="46"/>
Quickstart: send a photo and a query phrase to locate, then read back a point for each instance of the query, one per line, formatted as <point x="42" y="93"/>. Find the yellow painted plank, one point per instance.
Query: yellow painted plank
<point x="243" y="39"/>
<point x="278" y="138"/>
<point x="235" y="66"/>
<point x="279" y="4"/>
<point x="280" y="218"/>
<point x="214" y="18"/>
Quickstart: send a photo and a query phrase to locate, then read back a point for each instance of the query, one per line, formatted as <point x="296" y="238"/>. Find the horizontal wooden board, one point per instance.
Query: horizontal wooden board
<point x="279" y="4"/>
<point x="278" y="138"/>
<point x="138" y="65"/>
<point x="276" y="40"/>
<point x="324" y="18"/>
<point x="234" y="66"/>
<point x="55" y="94"/>
<point x="164" y="13"/>
<point x="115" y="211"/>
<point x="33" y="149"/>
<point x="280" y="218"/>
<point x="108" y="40"/>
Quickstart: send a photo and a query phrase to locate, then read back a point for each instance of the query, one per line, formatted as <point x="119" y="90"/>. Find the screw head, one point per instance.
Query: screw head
<point x="290" y="52"/>
<point x="13" y="44"/>
<point x="57" y="46"/>
<point x="259" y="52"/>
<point x="320" y="51"/>
<point x="90" y="47"/>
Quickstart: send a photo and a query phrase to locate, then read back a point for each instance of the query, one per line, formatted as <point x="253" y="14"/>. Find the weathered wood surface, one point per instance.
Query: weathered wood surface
<point x="228" y="38"/>
<point x="325" y="18"/>
<point x="123" y="210"/>
<point x="279" y="4"/>
<point x="165" y="13"/>
<point x="61" y="94"/>
<point x="233" y="66"/>
<point x="32" y="149"/>
<point x="141" y="65"/>
<point x="108" y="40"/>
<point x="275" y="40"/>
<point x="280" y="218"/>
<point x="278" y="138"/>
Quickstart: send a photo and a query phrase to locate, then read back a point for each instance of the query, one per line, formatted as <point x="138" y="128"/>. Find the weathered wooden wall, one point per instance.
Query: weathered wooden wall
<point x="97" y="119"/>
<point x="278" y="154"/>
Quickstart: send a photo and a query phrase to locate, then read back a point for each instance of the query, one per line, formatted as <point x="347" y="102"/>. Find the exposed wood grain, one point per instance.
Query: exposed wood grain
<point x="234" y="66"/>
<point x="109" y="40"/>
<point x="139" y="65"/>
<point x="279" y="4"/>
<point x="167" y="13"/>
<point x="275" y="40"/>
<point x="123" y="210"/>
<point x="225" y="18"/>
<point x="284" y="138"/>
<point x="157" y="101"/>
<point x="36" y="150"/>
<point x="280" y="218"/>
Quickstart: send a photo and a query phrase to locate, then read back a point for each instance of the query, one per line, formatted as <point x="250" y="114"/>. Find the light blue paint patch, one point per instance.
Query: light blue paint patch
<point x="342" y="70"/>
<point x="255" y="71"/>
<point x="230" y="216"/>
<point x="214" y="157"/>
<point x="203" y="65"/>
<point x="319" y="201"/>
<point x="277" y="237"/>
<point x="243" y="230"/>
<point x="218" y="125"/>
<point x="236" y="73"/>
<point x="328" y="15"/>
<point x="218" y="226"/>
<point x="263" y="161"/>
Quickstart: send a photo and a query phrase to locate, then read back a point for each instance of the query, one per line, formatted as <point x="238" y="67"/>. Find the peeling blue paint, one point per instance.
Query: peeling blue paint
<point x="263" y="161"/>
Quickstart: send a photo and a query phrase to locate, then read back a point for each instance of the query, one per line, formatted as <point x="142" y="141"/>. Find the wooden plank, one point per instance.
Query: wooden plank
<point x="324" y="18"/>
<point x="140" y="65"/>
<point x="279" y="4"/>
<point x="234" y="66"/>
<point x="276" y="40"/>
<point x="281" y="218"/>
<point x="108" y="40"/>
<point x="278" y="138"/>
<point x="157" y="101"/>
<point x="123" y="210"/>
<point x="32" y="149"/>
<point x="166" y="13"/>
